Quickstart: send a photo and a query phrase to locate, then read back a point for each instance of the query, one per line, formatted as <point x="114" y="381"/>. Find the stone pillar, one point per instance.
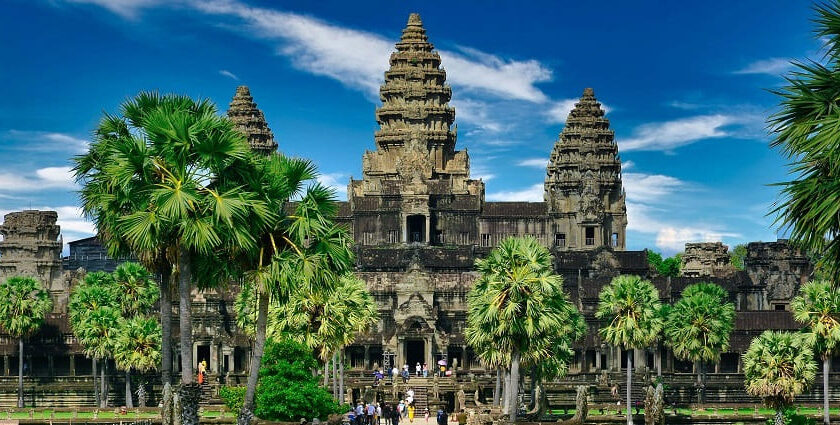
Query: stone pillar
<point x="367" y="357"/>
<point x="400" y="353"/>
<point x="72" y="365"/>
<point x="6" y="365"/>
<point x="598" y="360"/>
<point x="195" y="355"/>
<point x="639" y="360"/>
<point x="428" y="346"/>
<point x="213" y="365"/>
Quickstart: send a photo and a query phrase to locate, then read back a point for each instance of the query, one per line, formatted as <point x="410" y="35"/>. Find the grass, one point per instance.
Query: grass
<point x="724" y="411"/>
<point x="104" y="414"/>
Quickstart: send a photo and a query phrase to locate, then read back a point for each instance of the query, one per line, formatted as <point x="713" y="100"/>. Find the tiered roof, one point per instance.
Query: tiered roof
<point x="250" y="120"/>
<point x="586" y="152"/>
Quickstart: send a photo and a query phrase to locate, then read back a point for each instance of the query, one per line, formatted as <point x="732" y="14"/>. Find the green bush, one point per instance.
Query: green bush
<point x="232" y="396"/>
<point x="792" y="418"/>
<point x="287" y="391"/>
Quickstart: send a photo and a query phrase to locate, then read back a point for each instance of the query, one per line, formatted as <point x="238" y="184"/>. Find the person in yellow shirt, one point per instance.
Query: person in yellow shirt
<point x="411" y="412"/>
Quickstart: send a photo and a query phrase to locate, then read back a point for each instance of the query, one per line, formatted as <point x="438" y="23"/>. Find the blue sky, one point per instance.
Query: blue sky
<point x="685" y="83"/>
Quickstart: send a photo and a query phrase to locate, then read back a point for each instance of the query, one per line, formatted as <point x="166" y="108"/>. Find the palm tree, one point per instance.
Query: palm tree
<point x="23" y="306"/>
<point x="304" y="250"/>
<point x="805" y="131"/>
<point x="818" y="307"/>
<point x="778" y="366"/>
<point x="519" y="303"/>
<point x="138" y="290"/>
<point x="137" y="347"/>
<point x="94" y="292"/>
<point x="699" y="325"/>
<point x="164" y="180"/>
<point x="630" y="309"/>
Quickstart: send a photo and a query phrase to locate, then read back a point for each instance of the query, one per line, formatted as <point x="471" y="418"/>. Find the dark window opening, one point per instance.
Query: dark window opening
<point x="780" y="307"/>
<point x="415" y="352"/>
<point x="560" y="239"/>
<point x="590" y="236"/>
<point x="416" y="225"/>
<point x="729" y="362"/>
<point x="485" y="239"/>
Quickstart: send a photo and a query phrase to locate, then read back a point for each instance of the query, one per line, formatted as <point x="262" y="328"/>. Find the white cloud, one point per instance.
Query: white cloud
<point x="642" y="187"/>
<point x="337" y="182"/>
<point x="532" y="193"/>
<point x="476" y="113"/>
<point x="771" y="66"/>
<point x="228" y="74"/>
<point x="533" y="162"/>
<point x="674" y="239"/>
<point x="126" y="8"/>
<point x="47" y="141"/>
<point x="559" y="110"/>
<point x="669" y="135"/>
<point x="507" y="79"/>
<point x="44" y="178"/>
<point x="626" y="165"/>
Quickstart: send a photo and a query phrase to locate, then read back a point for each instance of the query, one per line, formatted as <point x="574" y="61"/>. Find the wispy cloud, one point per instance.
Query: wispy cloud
<point x="337" y="182"/>
<point x="533" y="162"/>
<point x="559" y="110"/>
<point x="48" y="141"/>
<point x="43" y="179"/>
<point x="642" y="187"/>
<point x="770" y="66"/>
<point x="670" y="135"/>
<point x="126" y="8"/>
<point x="533" y="193"/>
<point x="228" y="74"/>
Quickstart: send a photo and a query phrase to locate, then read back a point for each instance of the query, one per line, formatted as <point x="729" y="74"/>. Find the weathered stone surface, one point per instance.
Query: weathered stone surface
<point x="250" y="120"/>
<point x="706" y="259"/>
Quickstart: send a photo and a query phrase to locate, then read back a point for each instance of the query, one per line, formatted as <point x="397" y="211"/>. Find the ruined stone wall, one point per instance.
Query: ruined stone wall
<point x="778" y="269"/>
<point x="706" y="259"/>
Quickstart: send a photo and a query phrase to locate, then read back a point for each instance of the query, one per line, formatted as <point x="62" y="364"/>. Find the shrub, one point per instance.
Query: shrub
<point x="792" y="418"/>
<point x="232" y="396"/>
<point x="287" y="390"/>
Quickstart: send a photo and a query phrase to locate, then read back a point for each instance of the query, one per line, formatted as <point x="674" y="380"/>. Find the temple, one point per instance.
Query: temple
<point x="419" y="222"/>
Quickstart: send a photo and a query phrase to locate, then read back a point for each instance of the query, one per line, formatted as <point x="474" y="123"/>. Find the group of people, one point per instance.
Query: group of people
<point x="405" y="373"/>
<point x="374" y="413"/>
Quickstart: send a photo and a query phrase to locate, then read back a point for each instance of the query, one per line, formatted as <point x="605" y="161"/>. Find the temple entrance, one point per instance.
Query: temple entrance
<point x="416" y="228"/>
<point x="203" y="355"/>
<point x="415" y="352"/>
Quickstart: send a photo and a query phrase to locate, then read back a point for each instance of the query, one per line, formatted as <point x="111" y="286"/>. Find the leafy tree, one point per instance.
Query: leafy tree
<point x="805" y="130"/>
<point x="739" y="253"/>
<point x="137" y="347"/>
<point x="665" y="267"/>
<point x="137" y="344"/>
<point x="630" y="310"/>
<point x="23" y="306"/>
<point x="163" y="180"/>
<point x="93" y="294"/>
<point x="818" y="307"/>
<point x="654" y="259"/>
<point x="778" y="366"/>
<point x="518" y="302"/>
<point x="287" y="387"/>
<point x="699" y="326"/>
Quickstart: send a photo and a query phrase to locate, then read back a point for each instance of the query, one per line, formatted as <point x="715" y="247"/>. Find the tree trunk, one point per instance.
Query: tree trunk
<point x="341" y="376"/>
<point x="185" y="314"/>
<point x="826" y="369"/>
<point x="629" y="385"/>
<point x="166" y="324"/>
<point x="128" y="402"/>
<point x="326" y="374"/>
<point x="335" y="375"/>
<point x="103" y="386"/>
<point x="658" y="361"/>
<point x="505" y="391"/>
<point x="780" y="418"/>
<point x="701" y="384"/>
<point x="20" y="372"/>
<point x="246" y="413"/>
<point x="95" y="387"/>
<point x="497" y="392"/>
<point x="514" y="384"/>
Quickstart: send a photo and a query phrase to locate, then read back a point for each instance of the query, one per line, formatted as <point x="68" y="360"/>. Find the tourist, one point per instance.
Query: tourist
<point x="405" y="375"/>
<point x="442" y="418"/>
<point x="411" y="411"/>
<point x="386" y="413"/>
<point x="377" y="416"/>
<point x="461" y="417"/>
<point x="394" y="373"/>
<point x="418" y="369"/>
<point x="395" y="416"/>
<point x="425" y="370"/>
<point x="371" y="409"/>
<point x="401" y="408"/>
<point x="426" y="414"/>
<point x="351" y="416"/>
<point x="377" y="377"/>
<point x="202" y="368"/>
<point x="360" y="413"/>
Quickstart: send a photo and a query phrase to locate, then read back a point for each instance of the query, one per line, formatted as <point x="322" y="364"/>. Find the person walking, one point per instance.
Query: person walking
<point x="442" y="418"/>
<point x="425" y="370"/>
<point x="461" y="417"/>
<point x="418" y="369"/>
<point x="426" y="415"/>
<point x="411" y="412"/>
<point x="395" y="416"/>
<point x="394" y="374"/>
<point x="360" y="413"/>
<point x="378" y="415"/>
<point x="386" y="413"/>
<point x="371" y="409"/>
<point x="202" y="368"/>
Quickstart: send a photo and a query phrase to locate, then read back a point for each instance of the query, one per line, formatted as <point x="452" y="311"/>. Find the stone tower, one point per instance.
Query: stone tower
<point x="583" y="190"/>
<point x="416" y="187"/>
<point x="31" y="247"/>
<point x="250" y="120"/>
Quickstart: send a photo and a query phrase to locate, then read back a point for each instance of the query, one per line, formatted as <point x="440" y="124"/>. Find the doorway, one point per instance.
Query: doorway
<point x="415" y="352"/>
<point x="203" y="354"/>
<point x="416" y="225"/>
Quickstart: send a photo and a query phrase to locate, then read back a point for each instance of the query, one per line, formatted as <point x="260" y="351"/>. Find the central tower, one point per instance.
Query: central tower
<point x="415" y="187"/>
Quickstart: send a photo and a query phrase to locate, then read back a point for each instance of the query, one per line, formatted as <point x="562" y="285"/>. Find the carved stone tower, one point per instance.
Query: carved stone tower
<point x="250" y="120"/>
<point x="583" y="189"/>
<point x="31" y="247"/>
<point x="416" y="187"/>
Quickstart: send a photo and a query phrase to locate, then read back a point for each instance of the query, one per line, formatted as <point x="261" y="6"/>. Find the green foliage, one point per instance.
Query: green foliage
<point x="805" y="129"/>
<point x="232" y="397"/>
<point x="518" y="303"/>
<point x="23" y="306"/>
<point x="793" y="418"/>
<point x="665" y="267"/>
<point x="736" y="258"/>
<point x="137" y="344"/>
<point x="287" y="390"/>
<point x="818" y="307"/>
<point x="778" y="366"/>
<point x="700" y="323"/>
<point x="138" y="291"/>
<point x="630" y="310"/>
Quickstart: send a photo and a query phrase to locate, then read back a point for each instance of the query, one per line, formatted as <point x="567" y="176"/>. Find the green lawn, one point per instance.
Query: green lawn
<point x="104" y="414"/>
<point x="722" y="411"/>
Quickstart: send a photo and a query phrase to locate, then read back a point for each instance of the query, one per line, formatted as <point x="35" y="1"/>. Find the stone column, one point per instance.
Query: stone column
<point x="213" y="365"/>
<point x="72" y="365"/>
<point x="598" y="360"/>
<point x="195" y="355"/>
<point x="428" y="230"/>
<point x="428" y="347"/>
<point x="6" y="365"/>
<point x="639" y="360"/>
<point x="400" y="353"/>
<point x="657" y="358"/>
<point x="367" y="357"/>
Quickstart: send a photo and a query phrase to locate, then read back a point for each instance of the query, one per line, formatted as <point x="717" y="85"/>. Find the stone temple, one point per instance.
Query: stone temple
<point x="419" y="222"/>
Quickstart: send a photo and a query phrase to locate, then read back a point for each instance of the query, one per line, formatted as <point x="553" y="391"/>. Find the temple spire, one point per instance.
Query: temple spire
<point x="250" y="120"/>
